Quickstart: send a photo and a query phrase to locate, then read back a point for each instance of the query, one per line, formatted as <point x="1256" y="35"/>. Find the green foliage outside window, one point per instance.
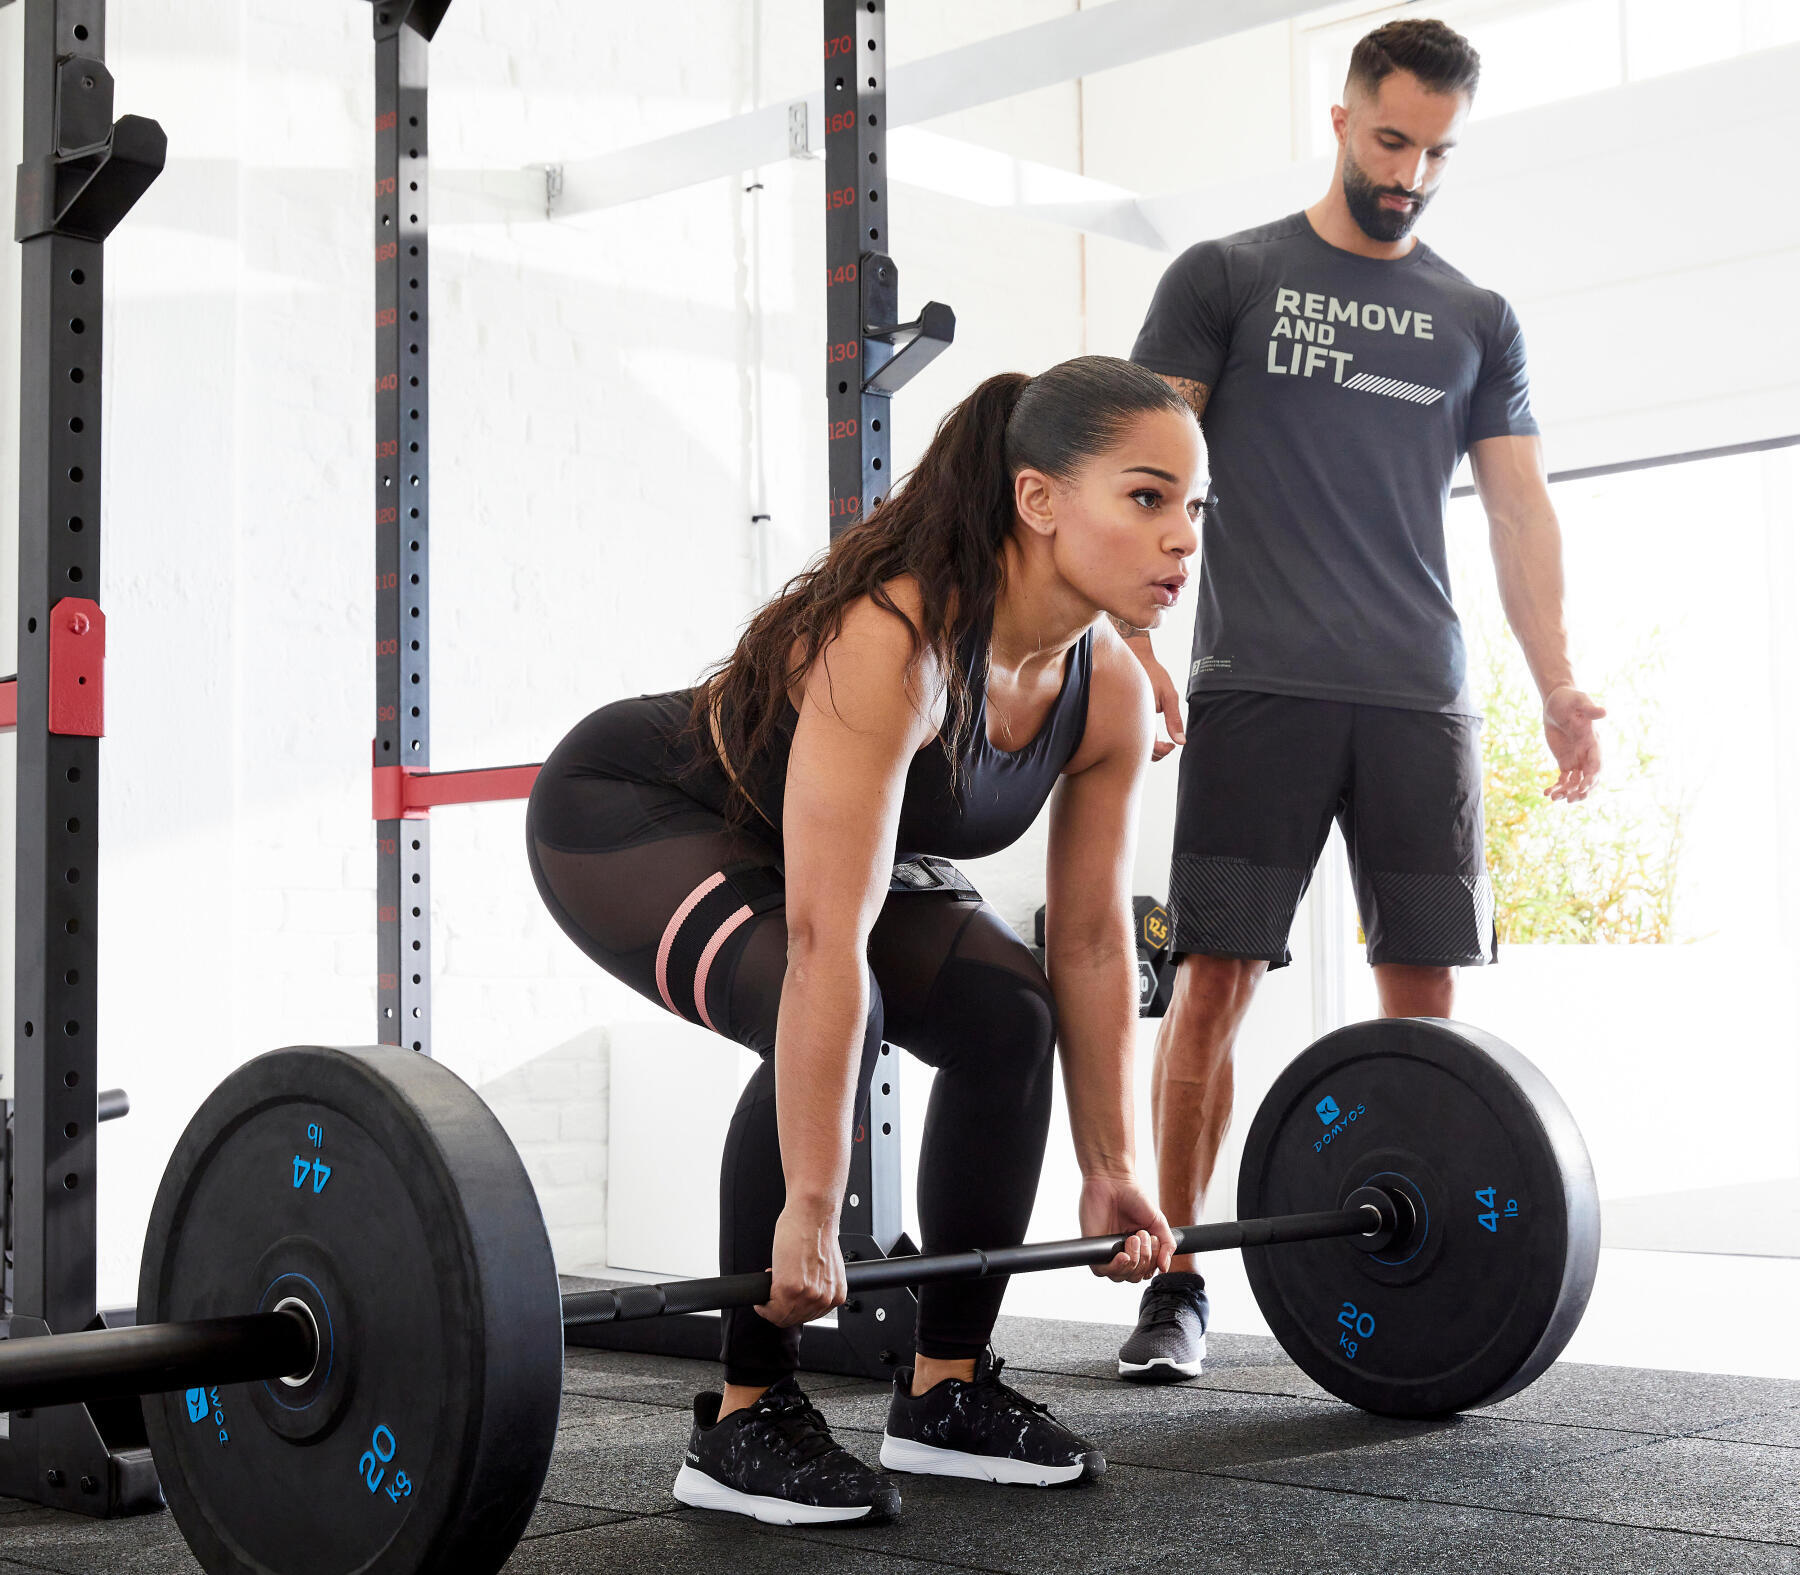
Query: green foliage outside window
<point x="1602" y="871"/>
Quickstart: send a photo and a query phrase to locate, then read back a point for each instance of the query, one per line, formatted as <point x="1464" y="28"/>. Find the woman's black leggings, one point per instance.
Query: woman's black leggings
<point x="658" y="890"/>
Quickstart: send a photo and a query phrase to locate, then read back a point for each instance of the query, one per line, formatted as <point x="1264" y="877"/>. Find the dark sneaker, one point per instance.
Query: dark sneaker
<point x="777" y="1460"/>
<point x="1169" y="1342"/>
<point x="985" y="1429"/>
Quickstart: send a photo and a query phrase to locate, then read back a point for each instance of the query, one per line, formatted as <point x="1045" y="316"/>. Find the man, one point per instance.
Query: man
<point x="1340" y="369"/>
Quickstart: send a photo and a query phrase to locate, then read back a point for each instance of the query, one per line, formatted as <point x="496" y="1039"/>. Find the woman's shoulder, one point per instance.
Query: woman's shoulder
<point x="1121" y="705"/>
<point x="890" y="622"/>
<point x="1116" y="666"/>
<point x="879" y="636"/>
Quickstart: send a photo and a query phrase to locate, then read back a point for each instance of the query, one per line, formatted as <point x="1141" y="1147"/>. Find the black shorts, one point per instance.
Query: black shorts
<point x="1263" y="776"/>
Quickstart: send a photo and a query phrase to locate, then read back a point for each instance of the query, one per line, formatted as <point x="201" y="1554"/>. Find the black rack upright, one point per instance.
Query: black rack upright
<point x="870" y="354"/>
<point x="80" y="176"/>
<point x="403" y="33"/>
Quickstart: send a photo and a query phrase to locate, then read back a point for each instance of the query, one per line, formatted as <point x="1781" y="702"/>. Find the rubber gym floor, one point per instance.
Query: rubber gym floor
<point x="1248" y="1468"/>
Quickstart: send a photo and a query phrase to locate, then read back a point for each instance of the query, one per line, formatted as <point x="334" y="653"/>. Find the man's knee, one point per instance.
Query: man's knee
<point x="1212" y="994"/>
<point x="1415" y="990"/>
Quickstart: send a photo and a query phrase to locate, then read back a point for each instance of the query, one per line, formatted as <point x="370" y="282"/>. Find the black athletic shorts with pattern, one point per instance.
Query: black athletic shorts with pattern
<point x="1262" y="778"/>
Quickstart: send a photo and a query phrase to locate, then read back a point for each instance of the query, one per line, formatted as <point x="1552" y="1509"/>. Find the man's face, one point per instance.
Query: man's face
<point x="1396" y="141"/>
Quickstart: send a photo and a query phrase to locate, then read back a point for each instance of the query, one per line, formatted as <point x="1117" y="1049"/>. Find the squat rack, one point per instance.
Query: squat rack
<point x="870" y="355"/>
<point x="81" y="174"/>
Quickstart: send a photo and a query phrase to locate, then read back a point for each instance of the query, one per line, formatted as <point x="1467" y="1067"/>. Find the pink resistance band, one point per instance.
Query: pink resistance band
<point x="688" y="905"/>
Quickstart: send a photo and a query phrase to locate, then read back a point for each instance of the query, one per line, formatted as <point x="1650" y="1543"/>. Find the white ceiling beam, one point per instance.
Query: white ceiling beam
<point x="1024" y="188"/>
<point x="1081" y="44"/>
<point x="1060" y="50"/>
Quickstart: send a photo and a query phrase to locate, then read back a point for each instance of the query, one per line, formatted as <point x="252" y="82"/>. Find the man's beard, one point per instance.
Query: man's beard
<point x="1364" y="199"/>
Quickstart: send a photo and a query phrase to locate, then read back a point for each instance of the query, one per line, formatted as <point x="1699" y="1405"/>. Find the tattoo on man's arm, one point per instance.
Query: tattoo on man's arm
<point x="1196" y="394"/>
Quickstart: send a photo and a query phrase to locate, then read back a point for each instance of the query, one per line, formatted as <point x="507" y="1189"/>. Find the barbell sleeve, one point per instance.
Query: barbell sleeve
<point x="98" y="1364"/>
<point x="112" y="1103"/>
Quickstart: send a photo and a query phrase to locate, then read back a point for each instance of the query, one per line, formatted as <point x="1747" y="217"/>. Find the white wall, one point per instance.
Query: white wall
<point x="590" y="501"/>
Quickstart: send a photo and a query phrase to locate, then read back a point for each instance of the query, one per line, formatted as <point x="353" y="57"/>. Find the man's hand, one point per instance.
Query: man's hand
<point x="1112" y="1205"/>
<point x="1569" y="718"/>
<point x="1168" y="697"/>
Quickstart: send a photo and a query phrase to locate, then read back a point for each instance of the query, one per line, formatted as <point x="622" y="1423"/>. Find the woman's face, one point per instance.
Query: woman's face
<point x="1123" y="527"/>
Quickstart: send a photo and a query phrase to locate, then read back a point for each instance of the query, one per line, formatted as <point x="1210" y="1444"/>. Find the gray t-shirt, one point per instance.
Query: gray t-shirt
<point x="1345" y="391"/>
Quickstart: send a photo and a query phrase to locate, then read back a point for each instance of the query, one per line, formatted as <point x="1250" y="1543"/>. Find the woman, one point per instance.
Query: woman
<point x="729" y="851"/>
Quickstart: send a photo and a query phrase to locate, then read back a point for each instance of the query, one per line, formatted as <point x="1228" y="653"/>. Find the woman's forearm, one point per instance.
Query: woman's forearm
<point x="818" y="1052"/>
<point x="1096" y="990"/>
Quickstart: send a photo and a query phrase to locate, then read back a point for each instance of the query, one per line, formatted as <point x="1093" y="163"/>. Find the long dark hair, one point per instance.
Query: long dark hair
<point x="947" y="526"/>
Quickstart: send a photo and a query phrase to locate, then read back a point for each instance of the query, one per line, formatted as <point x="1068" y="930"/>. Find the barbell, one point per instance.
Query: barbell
<point x="350" y="1336"/>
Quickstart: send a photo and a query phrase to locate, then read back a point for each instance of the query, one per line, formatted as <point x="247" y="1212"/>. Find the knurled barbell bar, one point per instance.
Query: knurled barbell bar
<point x="287" y="1343"/>
<point x="350" y="1337"/>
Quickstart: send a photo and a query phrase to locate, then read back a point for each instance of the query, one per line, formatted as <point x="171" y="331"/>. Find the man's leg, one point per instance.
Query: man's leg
<point x="1413" y="829"/>
<point x="1261" y="777"/>
<point x="1190" y="1092"/>
<point x="1414" y="990"/>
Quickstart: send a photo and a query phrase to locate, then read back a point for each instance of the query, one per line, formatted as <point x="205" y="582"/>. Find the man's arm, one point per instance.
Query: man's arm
<point x="1196" y="394"/>
<point x="1526" y="540"/>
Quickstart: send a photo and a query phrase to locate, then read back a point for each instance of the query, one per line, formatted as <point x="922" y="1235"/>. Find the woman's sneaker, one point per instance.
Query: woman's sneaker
<point x="1169" y="1342"/>
<point x="982" y="1429"/>
<point x="776" y="1459"/>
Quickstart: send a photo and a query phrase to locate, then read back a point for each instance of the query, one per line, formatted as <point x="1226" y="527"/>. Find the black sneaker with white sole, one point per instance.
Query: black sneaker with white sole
<point x="776" y="1460"/>
<point x="1169" y="1342"/>
<point x="982" y="1429"/>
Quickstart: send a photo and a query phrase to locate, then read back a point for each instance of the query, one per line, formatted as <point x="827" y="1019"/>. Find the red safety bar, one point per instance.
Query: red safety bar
<point x="77" y="678"/>
<point x="78" y="668"/>
<point x="404" y="794"/>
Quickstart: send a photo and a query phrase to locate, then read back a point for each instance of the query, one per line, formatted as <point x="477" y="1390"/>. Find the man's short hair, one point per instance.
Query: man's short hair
<point x="1439" y="56"/>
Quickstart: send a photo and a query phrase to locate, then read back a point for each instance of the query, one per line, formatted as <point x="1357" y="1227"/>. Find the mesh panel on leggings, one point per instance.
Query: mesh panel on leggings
<point x="1444" y="921"/>
<point x="1232" y="908"/>
<point x="616" y="906"/>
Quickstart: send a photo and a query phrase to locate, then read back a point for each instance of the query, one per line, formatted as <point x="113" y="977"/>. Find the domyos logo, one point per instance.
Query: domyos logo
<point x="1336" y="1121"/>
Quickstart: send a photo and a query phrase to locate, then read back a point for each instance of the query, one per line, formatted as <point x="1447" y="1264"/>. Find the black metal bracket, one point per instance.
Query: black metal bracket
<point x="876" y="1330"/>
<point x="98" y="169"/>
<point x="896" y="352"/>
<point x="422" y="16"/>
<point x="873" y="1334"/>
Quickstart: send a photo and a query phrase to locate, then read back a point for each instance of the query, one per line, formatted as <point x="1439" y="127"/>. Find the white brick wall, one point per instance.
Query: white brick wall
<point x="590" y="539"/>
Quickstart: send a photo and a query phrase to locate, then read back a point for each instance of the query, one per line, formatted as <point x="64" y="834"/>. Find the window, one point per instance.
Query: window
<point x="1539" y="51"/>
<point x="1655" y="970"/>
